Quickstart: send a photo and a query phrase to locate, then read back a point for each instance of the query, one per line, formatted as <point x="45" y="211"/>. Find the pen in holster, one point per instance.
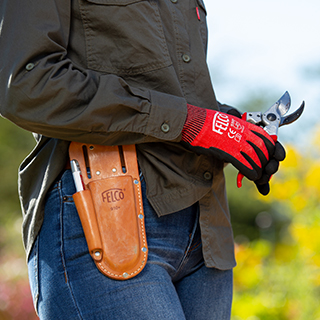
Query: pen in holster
<point x="77" y="177"/>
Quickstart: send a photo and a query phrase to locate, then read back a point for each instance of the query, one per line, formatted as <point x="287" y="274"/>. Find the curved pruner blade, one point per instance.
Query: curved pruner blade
<point x="284" y="104"/>
<point x="293" y="116"/>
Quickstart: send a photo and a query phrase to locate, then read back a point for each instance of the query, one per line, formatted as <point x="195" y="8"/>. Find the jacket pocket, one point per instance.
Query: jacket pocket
<point x="124" y="37"/>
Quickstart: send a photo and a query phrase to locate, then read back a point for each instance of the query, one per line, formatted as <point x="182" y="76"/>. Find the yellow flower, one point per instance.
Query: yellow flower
<point x="298" y="203"/>
<point x="309" y="241"/>
<point x="312" y="178"/>
<point x="293" y="158"/>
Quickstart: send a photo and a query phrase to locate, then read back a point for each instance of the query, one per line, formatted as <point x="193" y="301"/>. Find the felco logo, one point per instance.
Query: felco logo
<point x="221" y="123"/>
<point x="113" y="195"/>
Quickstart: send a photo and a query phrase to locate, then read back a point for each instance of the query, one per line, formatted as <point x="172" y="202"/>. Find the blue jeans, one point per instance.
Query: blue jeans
<point x="175" y="284"/>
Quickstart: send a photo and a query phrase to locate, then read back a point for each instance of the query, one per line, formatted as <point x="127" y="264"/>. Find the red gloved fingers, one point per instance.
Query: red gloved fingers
<point x="264" y="189"/>
<point x="234" y="136"/>
<point x="273" y="164"/>
<point x="271" y="168"/>
<point x="247" y="146"/>
<point x="279" y="152"/>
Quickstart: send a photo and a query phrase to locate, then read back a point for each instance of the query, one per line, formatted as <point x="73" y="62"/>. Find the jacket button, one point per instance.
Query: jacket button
<point x="207" y="175"/>
<point x="186" y="58"/>
<point x="30" y="66"/>
<point x="165" y="127"/>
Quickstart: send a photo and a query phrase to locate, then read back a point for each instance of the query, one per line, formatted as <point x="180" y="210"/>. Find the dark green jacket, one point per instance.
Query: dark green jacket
<point x="112" y="72"/>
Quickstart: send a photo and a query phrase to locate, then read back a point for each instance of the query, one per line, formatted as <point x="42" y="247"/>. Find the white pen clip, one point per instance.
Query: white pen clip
<point x="77" y="177"/>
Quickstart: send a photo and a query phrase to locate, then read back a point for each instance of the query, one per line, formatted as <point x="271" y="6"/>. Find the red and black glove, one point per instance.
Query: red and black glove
<point x="272" y="167"/>
<point x="245" y="145"/>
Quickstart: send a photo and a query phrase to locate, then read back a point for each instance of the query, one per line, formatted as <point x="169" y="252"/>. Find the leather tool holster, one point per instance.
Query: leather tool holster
<point x="110" y="208"/>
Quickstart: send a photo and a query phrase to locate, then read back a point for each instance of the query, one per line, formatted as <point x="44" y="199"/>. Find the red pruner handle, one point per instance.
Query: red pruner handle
<point x="239" y="180"/>
<point x="274" y="138"/>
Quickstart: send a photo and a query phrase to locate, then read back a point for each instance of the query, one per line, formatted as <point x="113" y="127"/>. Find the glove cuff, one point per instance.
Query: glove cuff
<point x="194" y="123"/>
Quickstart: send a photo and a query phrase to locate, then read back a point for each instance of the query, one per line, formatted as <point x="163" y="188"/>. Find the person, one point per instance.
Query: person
<point x="117" y="72"/>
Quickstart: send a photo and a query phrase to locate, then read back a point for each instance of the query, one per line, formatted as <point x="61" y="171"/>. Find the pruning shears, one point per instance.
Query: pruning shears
<point x="272" y="119"/>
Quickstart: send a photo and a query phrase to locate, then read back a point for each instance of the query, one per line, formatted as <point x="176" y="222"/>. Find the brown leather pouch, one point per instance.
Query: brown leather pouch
<point x="110" y="208"/>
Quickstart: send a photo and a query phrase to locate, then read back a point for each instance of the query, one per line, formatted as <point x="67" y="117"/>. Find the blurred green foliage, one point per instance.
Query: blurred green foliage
<point x="15" y="297"/>
<point x="15" y="144"/>
<point x="278" y="273"/>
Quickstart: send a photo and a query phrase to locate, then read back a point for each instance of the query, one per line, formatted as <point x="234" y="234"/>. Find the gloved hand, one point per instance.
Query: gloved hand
<point x="246" y="146"/>
<point x="272" y="167"/>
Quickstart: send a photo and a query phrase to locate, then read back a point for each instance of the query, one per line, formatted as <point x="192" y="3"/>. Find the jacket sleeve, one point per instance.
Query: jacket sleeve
<point x="42" y="91"/>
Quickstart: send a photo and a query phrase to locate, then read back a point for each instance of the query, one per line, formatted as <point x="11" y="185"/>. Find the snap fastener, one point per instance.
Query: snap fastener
<point x="207" y="175"/>
<point x="29" y="66"/>
<point x="186" y="58"/>
<point x="165" y="127"/>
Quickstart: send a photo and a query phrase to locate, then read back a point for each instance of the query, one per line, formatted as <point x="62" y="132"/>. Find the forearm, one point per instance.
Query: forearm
<point x="43" y="91"/>
<point x="100" y="109"/>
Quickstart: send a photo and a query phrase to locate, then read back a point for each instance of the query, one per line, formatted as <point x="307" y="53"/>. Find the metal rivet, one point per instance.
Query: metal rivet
<point x="207" y="175"/>
<point x="30" y="66"/>
<point x="165" y="127"/>
<point x="114" y="170"/>
<point x="271" y="117"/>
<point x="136" y="181"/>
<point x="186" y="58"/>
<point x="97" y="254"/>
<point x="98" y="173"/>
<point x="144" y="249"/>
<point x="140" y="216"/>
<point x="125" y="275"/>
<point x="174" y="1"/>
<point x="91" y="147"/>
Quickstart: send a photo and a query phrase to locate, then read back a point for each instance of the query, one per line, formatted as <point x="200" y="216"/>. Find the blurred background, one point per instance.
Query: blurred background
<point x="257" y="51"/>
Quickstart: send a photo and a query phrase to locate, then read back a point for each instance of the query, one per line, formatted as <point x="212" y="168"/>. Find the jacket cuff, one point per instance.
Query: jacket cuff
<point x="168" y="114"/>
